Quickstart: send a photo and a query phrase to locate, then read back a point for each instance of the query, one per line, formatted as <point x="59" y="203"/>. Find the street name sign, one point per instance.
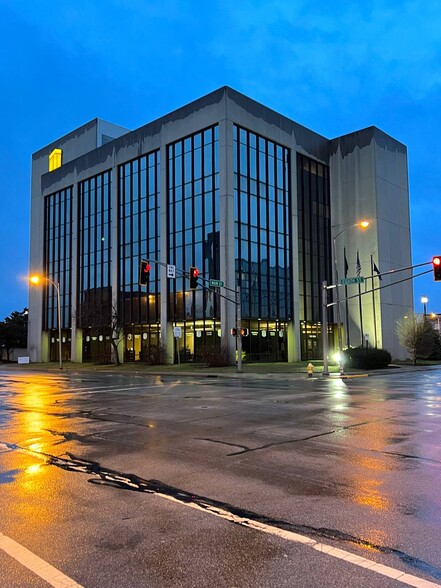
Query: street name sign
<point x="216" y="283"/>
<point x="346" y="281"/>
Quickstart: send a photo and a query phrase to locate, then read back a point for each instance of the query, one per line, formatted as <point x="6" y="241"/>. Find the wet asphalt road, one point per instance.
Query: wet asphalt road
<point x="117" y="480"/>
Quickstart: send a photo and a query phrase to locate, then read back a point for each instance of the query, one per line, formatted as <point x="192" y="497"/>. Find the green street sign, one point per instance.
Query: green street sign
<point x="216" y="283"/>
<point x="346" y="281"/>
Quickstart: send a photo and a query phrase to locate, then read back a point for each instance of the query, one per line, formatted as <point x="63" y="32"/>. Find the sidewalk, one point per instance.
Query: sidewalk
<point x="288" y="371"/>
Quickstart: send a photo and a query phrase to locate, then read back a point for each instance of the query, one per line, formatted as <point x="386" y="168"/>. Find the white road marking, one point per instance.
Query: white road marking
<point x="347" y="556"/>
<point x="35" y="564"/>
<point x="106" y="389"/>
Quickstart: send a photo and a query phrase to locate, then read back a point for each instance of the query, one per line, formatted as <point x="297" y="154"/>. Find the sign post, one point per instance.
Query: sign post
<point x="177" y="334"/>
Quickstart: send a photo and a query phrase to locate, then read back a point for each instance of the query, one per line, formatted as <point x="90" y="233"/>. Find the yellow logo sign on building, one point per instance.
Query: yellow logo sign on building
<point x="55" y="159"/>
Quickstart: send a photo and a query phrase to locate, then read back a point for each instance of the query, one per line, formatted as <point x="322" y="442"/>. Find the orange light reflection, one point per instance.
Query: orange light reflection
<point x="36" y="489"/>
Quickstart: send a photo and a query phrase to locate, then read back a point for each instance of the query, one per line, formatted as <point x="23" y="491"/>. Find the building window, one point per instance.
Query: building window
<point x="55" y="158"/>
<point x="314" y="246"/>
<point x="193" y="222"/>
<point x="139" y="214"/>
<point x="57" y="258"/>
<point x="262" y="198"/>
<point x="94" y="251"/>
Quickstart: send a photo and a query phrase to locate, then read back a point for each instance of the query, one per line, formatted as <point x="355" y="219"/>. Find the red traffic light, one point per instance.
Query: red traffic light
<point x="144" y="272"/>
<point x="193" y="273"/>
<point x="436" y="262"/>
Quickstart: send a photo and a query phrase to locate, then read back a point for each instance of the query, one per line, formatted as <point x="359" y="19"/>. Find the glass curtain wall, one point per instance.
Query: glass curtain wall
<point x="95" y="313"/>
<point x="139" y="233"/>
<point x="314" y="244"/>
<point x="57" y="268"/>
<point x="193" y="229"/>
<point x="263" y="242"/>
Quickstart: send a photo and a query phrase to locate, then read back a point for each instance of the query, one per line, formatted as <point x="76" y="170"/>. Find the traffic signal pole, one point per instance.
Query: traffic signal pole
<point x="236" y="300"/>
<point x="326" y="305"/>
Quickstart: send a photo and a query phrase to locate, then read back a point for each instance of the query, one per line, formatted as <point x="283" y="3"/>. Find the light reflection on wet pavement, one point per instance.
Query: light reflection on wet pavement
<point x="354" y="462"/>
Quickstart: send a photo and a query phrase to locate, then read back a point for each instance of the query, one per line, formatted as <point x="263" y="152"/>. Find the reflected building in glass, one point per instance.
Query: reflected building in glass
<point x="248" y="197"/>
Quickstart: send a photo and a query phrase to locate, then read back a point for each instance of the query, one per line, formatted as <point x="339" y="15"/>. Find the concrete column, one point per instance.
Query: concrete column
<point x="114" y="247"/>
<point x="166" y="328"/>
<point x="294" y="344"/>
<point x="74" y="356"/>
<point x="227" y="255"/>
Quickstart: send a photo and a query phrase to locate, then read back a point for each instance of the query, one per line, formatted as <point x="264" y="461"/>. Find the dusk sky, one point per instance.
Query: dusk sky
<point x="334" y="67"/>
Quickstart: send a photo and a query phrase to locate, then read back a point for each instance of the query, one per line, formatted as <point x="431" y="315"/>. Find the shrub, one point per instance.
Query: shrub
<point x="216" y="356"/>
<point x="367" y="358"/>
<point x="154" y="355"/>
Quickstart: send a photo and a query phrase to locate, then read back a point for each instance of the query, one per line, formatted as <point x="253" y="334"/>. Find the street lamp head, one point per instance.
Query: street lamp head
<point x="34" y="279"/>
<point x="363" y="224"/>
<point x="424" y="300"/>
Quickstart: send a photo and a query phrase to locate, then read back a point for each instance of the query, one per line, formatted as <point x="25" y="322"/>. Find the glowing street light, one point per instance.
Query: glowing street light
<point x="35" y="279"/>
<point x="363" y="225"/>
<point x="424" y="301"/>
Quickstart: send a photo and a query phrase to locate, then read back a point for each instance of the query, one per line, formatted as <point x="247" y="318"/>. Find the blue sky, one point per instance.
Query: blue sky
<point x="334" y="67"/>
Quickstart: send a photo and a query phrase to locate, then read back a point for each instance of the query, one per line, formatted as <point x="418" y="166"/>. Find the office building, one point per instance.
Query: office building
<point x="240" y="192"/>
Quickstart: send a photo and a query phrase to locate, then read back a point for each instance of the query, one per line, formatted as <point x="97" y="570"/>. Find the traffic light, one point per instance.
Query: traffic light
<point x="144" y="272"/>
<point x="436" y="262"/>
<point x="233" y="332"/>
<point x="193" y="273"/>
<point x="244" y="332"/>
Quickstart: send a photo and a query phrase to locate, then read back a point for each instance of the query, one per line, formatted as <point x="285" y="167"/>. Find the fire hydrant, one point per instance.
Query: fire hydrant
<point x="310" y="369"/>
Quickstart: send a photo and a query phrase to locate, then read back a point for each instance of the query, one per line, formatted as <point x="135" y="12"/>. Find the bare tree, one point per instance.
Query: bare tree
<point x="416" y="335"/>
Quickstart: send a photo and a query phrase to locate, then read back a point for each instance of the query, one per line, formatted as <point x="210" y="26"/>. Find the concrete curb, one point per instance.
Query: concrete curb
<point x="69" y="369"/>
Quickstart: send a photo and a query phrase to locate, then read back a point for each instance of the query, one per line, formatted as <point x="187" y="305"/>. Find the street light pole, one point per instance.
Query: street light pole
<point x="424" y="301"/>
<point x="362" y="225"/>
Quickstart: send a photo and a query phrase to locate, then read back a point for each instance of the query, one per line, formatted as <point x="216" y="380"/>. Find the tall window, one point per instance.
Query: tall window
<point x="139" y="213"/>
<point x="94" y="249"/>
<point x="57" y="257"/>
<point x="193" y="192"/>
<point x="262" y="225"/>
<point x="314" y="235"/>
<point x="314" y="245"/>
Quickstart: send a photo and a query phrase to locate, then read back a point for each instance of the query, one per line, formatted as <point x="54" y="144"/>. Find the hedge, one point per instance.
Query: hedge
<point x="366" y="358"/>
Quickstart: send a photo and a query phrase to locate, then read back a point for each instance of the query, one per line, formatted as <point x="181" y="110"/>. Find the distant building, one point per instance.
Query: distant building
<point x="237" y="190"/>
